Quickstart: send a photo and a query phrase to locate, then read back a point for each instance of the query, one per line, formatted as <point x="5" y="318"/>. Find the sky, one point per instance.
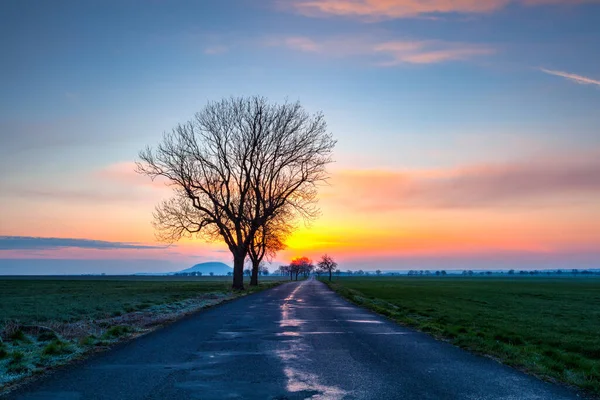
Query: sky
<point x="468" y="131"/>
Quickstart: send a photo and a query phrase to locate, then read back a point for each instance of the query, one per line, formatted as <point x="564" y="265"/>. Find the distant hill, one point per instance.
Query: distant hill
<point x="217" y="268"/>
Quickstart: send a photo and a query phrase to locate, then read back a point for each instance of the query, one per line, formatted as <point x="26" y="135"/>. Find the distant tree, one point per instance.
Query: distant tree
<point x="338" y="272"/>
<point x="264" y="271"/>
<point x="301" y="265"/>
<point x="488" y="272"/>
<point x="574" y="271"/>
<point x="234" y="167"/>
<point x="360" y="272"/>
<point x="247" y="272"/>
<point x="559" y="271"/>
<point x="443" y="273"/>
<point x="378" y="272"/>
<point x="511" y="272"/>
<point x="349" y="272"/>
<point x="327" y="265"/>
<point x="437" y="273"/>
<point x="470" y="272"/>
<point x="211" y="273"/>
<point x="229" y="273"/>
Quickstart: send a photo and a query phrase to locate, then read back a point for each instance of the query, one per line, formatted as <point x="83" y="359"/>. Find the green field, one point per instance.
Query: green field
<point x="41" y="300"/>
<point x="546" y="326"/>
<point x="67" y="299"/>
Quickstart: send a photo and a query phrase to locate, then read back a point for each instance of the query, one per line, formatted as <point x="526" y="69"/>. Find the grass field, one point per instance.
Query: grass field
<point x="48" y="321"/>
<point x="547" y="326"/>
<point x="68" y="299"/>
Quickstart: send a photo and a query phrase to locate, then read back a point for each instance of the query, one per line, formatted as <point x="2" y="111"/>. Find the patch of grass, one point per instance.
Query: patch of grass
<point x="57" y="347"/>
<point x="47" y="336"/>
<point x="89" y="340"/>
<point x="548" y="326"/>
<point x="16" y="363"/>
<point x="117" y="331"/>
<point x="18" y="336"/>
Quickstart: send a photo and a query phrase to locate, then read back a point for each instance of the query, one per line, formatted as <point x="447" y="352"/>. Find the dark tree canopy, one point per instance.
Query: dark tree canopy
<point x="234" y="169"/>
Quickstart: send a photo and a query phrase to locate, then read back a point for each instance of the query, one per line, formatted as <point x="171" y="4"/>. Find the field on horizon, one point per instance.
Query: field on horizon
<point x="545" y="325"/>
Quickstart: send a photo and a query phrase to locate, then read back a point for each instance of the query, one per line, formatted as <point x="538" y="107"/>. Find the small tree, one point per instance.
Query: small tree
<point x="300" y="265"/>
<point x="378" y="272"/>
<point x="327" y="265"/>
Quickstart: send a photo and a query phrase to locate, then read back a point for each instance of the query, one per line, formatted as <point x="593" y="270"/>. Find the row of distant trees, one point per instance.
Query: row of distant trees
<point x="303" y="266"/>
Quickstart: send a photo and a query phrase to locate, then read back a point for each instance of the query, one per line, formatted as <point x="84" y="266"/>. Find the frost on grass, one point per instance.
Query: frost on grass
<point x="31" y="349"/>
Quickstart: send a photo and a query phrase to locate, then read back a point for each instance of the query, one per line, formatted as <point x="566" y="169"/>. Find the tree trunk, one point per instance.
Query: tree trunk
<point x="329" y="275"/>
<point x="238" y="271"/>
<point x="254" y="278"/>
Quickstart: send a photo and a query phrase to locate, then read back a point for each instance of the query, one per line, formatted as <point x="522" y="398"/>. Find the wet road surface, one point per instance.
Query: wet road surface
<point x="296" y="341"/>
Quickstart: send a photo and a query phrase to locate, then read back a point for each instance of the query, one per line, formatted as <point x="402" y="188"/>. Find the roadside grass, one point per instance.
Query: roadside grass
<point x="48" y="322"/>
<point x="549" y="327"/>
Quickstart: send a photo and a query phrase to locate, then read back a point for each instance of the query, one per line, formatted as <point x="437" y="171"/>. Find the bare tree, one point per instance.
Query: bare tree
<point x="234" y="167"/>
<point x="327" y="265"/>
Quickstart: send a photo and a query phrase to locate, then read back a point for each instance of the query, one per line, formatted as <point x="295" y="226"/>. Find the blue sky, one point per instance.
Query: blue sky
<point x="406" y="88"/>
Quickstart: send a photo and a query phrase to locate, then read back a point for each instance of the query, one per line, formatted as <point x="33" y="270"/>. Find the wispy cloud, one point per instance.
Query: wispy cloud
<point x="429" y="52"/>
<point x="46" y="243"/>
<point x="385" y="52"/>
<point x="582" y="80"/>
<point x="389" y="9"/>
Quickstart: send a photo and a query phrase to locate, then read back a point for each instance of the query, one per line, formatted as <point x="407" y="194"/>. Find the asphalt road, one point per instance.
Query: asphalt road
<point x="296" y="341"/>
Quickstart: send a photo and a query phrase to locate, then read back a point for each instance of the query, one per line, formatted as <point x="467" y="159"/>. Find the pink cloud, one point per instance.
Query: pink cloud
<point x="387" y="9"/>
<point x="535" y="183"/>
<point x="429" y="52"/>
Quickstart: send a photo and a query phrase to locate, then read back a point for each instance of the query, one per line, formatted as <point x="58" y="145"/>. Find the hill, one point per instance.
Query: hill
<point x="217" y="268"/>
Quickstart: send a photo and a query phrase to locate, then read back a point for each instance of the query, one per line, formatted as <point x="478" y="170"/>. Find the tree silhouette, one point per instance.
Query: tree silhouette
<point x="301" y="265"/>
<point x="234" y="167"/>
<point x="326" y="264"/>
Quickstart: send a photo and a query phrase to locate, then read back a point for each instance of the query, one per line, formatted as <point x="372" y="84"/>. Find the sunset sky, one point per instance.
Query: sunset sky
<point x="468" y="131"/>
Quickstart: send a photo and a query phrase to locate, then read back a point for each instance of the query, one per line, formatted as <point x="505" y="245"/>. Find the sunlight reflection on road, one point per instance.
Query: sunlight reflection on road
<point x="299" y="380"/>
